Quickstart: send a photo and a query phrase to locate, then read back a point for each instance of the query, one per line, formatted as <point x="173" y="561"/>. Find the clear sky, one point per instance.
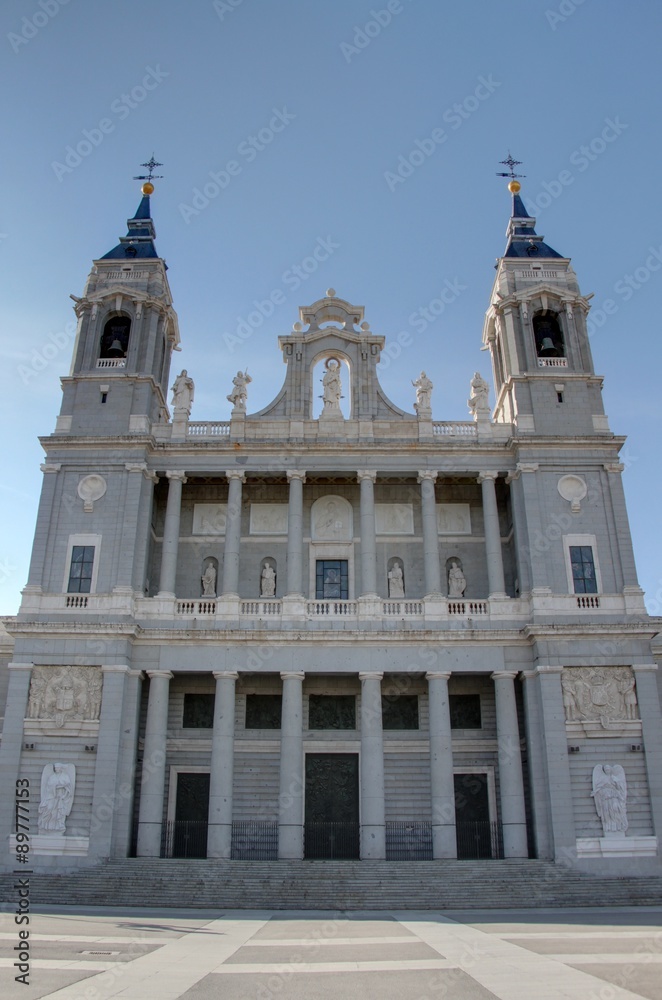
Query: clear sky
<point x="317" y="103"/>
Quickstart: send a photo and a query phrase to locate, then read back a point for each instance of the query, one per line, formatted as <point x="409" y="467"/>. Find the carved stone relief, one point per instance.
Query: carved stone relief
<point x="331" y="518"/>
<point x="454" y="518"/>
<point x="394" y="518"/>
<point x="604" y="696"/>
<point x="65" y="694"/>
<point x="209" y="518"/>
<point x="91" y="488"/>
<point x="268" y="519"/>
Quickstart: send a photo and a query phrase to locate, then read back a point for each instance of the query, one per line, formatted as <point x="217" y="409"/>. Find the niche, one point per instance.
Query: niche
<point x="209" y="577"/>
<point x="548" y="335"/>
<point x="268" y="577"/>
<point x="115" y="338"/>
<point x="457" y="583"/>
<point x="396" y="578"/>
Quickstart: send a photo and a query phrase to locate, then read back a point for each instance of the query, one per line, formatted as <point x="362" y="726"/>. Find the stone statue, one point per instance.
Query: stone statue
<point x="569" y="698"/>
<point x="610" y="793"/>
<point x="629" y="696"/>
<point x="182" y="392"/>
<point x="208" y="580"/>
<point x="424" y="388"/>
<point x="456" y="581"/>
<point x="268" y="581"/>
<point x="94" y="687"/>
<point x="239" y="394"/>
<point x="396" y="583"/>
<point x="478" y="401"/>
<point x="332" y="384"/>
<point x="37" y="692"/>
<point x="57" y="796"/>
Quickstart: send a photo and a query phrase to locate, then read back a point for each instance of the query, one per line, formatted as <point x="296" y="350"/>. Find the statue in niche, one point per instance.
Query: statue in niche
<point x="239" y="393"/>
<point x="424" y="388"/>
<point x="396" y="580"/>
<point x="268" y="581"/>
<point x="57" y="795"/>
<point x="208" y="581"/>
<point x="610" y="793"/>
<point x="599" y="694"/>
<point x="331" y="384"/>
<point x="182" y="392"/>
<point x="457" y="583"/>
<point x="478" y="401"/>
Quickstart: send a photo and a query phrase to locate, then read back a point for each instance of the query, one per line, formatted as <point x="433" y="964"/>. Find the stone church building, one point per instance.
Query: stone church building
<point x="345" y="631"/>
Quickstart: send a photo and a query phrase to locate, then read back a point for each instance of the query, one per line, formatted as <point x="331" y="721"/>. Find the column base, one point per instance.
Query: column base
<point x="373" y="843"/>
<point x="219" y="840"/>
<point x="290" y="843"/>
<point x="444" y="842"/>
<point x="515" y="843"/>
<point x="149" y="840"/>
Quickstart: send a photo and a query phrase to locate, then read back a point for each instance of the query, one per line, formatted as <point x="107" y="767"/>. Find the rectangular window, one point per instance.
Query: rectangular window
<point x="400" y="711"/>
<point x="198" y="711"/>
<point x="465" y="711"/>
<point x="332" y="579"/>
<point x="583" y="569"/>
<point x="80" y="569"/>
<point x="263" y="711"/>
<point x="332" y="711"/>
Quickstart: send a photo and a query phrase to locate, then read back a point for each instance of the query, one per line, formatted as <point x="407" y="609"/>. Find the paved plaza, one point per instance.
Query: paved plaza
<point x="99" y="953"/>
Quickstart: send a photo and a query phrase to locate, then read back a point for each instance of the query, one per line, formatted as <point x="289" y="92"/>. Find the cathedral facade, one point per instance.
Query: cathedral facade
<point x="336" y="631"/>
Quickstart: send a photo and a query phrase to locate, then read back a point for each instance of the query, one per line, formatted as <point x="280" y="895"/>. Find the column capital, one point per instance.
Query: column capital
<point x="528" y="675"/>
<point x="370" y="474"/>
<point x="438" y="675"/>
<point x="166" y="675"/>
<point x="426" y="474"/>
<point x="548" y="669"/>
<point x="295" y="474"/>
<point x="177" y="474"/>
<point x="141" y="467"/>
<point x="140" y="674"/>
<point x="225" y="675"/>
<point x="644" y="668"/>
<point x="115" y="668"/>
<point x="504" y="675"/>
<point x="297" y="675"/>
<point x="20" y="666"/>
<point x="50" y="467"/>
<point x="489" y="475"/>
<point x="370" y="676"/>
<point x="235" y="474"/>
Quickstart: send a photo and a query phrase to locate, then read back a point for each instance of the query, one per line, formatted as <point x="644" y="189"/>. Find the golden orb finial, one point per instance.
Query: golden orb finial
<point x="147" y="188"/>
<point x="514" y="187"/>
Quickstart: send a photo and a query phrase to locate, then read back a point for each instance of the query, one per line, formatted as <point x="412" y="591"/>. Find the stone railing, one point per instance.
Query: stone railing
<point x="330" y="609"/>
<point x="469" y="609"/>
<point x="530" y="275"/>
<point x="208" y="428"/>
<point x="402" y="609"/>
<point x="262" y="608"/>
<point x="552" y="362"/>
<point x="111" y="363"/>
<point x="453" y="428"/>
<point x="196" y="609"/>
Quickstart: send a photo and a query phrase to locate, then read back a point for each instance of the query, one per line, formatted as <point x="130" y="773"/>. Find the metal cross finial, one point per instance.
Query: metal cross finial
<point x="151" y="163"/>
<point x="510" y="163"/>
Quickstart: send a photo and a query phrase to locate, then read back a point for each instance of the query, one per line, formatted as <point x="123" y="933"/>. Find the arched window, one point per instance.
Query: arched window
<point x="115" y="337"/>
<point x="549" y="336"/>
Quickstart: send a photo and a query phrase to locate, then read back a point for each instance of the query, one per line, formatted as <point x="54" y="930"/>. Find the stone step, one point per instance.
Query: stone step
<point x="335" y="885"/>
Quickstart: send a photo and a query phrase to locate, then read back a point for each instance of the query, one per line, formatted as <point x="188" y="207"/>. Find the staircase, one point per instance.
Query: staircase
<point x="334" y="885"/>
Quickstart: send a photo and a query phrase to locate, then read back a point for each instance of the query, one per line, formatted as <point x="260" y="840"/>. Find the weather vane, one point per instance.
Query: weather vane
<point x="509" y="162"/>
<point x="151" y="164"/>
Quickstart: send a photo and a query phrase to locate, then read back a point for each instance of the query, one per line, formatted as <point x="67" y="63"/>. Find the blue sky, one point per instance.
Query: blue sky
<point x="352" y="88"/>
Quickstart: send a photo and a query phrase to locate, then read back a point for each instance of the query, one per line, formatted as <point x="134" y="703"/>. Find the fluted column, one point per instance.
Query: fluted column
<point x="373" y="824"/>
<point x="366" y="478"/>
<point x="444" y="839"/>
<point x="511" y="779"/>
<point x="232" y="533"/>
<point x="219" y="836"/>
<point x="171" y="534"/>
<point x="152" y="787"/>
<point x="432" y="568"/>
<point x="497" y="587"/>
<point x="295" y="532"/>
<point x="290" y="798"/>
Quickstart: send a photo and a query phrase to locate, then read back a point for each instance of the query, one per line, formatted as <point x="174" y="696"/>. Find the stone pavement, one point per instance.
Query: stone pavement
<point x="157" y="954"/>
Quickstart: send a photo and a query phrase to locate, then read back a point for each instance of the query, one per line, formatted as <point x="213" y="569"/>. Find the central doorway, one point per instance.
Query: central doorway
<point x="332" y="806"/>
<point x="188" y="834"/>
<point x="477" y="835"/>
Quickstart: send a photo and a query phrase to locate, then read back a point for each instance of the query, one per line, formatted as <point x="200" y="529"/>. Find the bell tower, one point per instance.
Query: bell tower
<point x="535" y="329"/>
<point x="127" y="331"/>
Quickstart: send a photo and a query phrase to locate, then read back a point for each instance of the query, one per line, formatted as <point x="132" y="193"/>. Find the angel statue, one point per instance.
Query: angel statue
<point x="610" y="792"/>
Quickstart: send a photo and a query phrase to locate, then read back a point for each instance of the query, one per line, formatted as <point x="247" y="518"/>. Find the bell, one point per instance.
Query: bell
<point x="547" y="348"/>
<point x="116" y="350"/>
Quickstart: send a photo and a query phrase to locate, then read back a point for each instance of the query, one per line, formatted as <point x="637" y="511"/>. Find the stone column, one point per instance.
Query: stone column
<point x="497" y="587"/>
<point x="444" y="840"/>
<point x="40" y="546"/>
<point x="290" y="798"/>
<point x="373" y="823"/>
<point x="295" y="532"/>
<point x="232" y="534"/>
<point x="150" y="817"/>
<point x="171" y="534"/>
<point x="10" y="756"/>
<point x="511" y="779"/>
<point x="366" y="478"/>
<point x="651" y="731"/>
<point x="126" y="771"/>
<point x="535" y="752"/>
<point x="219" y="838"/>
<point x="106" y="770"/>
<point x="430" y="533"/>
<point x="556" y="777"/>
